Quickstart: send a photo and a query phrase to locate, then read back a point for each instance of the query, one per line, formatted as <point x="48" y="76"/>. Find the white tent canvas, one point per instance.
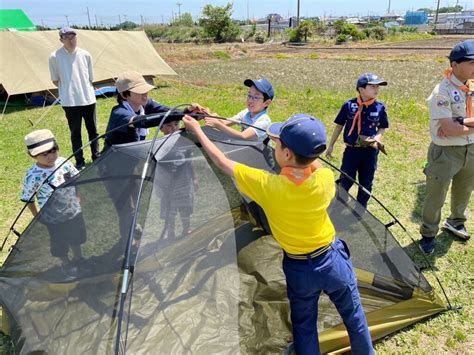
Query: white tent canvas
<point x="24" y="57"/>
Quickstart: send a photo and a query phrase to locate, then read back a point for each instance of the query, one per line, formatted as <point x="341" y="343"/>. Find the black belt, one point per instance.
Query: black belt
<point x="312" y="255"/>
<point x="355" y="145"/>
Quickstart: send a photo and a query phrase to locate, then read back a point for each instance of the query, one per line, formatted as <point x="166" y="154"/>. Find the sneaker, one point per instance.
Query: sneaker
<point x="459" y="231"/>
<point x="427" y="244"/>
<point x="81" y="165"/>
<point x="69" y="273"/>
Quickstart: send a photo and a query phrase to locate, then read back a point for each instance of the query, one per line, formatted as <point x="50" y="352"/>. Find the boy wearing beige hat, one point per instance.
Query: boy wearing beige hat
<point x="63" y="215"/>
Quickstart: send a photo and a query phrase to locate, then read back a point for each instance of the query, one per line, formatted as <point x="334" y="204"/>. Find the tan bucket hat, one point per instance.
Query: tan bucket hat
<point x="134" y="82"/>
<point x="40" y="141"/>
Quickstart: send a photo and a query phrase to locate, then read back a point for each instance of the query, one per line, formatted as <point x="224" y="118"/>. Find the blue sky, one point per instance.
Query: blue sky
<point x="55" y="13"/>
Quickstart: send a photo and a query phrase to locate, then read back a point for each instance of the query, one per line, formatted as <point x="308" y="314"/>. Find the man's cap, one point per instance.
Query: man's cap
<point x="369" y="78"/>
<point x="262" y="85"/>
<point x="65" y="30"/>
<point x="303" y="134"/>
<point x="462" y="50"/>
<point x="134" y="82"/>
<point x="40" y="141"/>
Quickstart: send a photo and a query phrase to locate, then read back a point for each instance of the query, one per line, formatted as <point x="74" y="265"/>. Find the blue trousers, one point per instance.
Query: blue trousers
<point x="332" y="273"/>
<point x="363" y="162"/>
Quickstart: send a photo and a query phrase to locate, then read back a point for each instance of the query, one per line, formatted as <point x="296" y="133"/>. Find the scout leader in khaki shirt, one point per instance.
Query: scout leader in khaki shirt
<point x="448" y="101"/>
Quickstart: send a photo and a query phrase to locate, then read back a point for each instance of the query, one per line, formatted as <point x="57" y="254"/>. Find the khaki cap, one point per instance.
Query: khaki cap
<point x="40" y="141"/>
<point x="134" y="82"/>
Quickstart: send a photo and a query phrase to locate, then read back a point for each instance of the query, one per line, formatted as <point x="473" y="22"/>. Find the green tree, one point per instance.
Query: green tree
<point x="185" y="20"/>
<point x="306" y="28"/>
<point x="457" y="8"/>
<point x="427" y="10"/>
<point x="217" y="23"/>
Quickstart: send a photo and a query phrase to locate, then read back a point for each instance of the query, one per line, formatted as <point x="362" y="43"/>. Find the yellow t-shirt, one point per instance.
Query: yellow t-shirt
<point x="297" y="215"/>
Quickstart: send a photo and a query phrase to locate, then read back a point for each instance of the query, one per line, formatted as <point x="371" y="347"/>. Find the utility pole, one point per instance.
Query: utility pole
<point x="88" y="17"/>
<point x="120" y="21"/>
<point x="67" y="20"/>
<point x="389" y="3"/>
<point x="436" y="16"/>
<point x="96" y="23"/>
<point x="248" y="18"/>
<point x="179" y="10"/>
<point x="298" y="14"/>
<point x="143" y="22"/>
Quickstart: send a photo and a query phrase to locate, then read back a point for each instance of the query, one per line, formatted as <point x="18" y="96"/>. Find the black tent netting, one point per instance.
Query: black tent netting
<point x="205" y="278"/>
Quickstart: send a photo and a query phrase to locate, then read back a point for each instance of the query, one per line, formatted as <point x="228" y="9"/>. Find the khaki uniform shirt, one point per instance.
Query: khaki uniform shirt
<point x="447" y="100"/>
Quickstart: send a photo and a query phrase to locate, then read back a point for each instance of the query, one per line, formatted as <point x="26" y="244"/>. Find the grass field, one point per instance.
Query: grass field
<point x="317" y="86"/>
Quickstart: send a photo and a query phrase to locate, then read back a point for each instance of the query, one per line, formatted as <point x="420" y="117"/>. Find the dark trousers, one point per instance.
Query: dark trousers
<point x="331" y="273"/>
<point x="66" y="234"/>
<point x="363" y="163"/>
<point x="74" y="115"/>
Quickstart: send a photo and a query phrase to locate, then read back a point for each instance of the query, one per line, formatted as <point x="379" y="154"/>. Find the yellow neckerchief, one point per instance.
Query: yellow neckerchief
<point x="448" y="73"/>
<point x="358" y="115"/>
<point x="297" y="175"/>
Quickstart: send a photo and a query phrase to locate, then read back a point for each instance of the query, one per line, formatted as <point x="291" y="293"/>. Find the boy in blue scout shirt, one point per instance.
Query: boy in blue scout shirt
<point x="364" y="120"/>
<point x="295" y="203"/>
<point x="259" y="97"/>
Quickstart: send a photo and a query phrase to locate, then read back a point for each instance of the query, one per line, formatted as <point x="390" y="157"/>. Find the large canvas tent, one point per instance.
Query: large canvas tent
<point x="24" y="57"/>
<point x="217" y="289"/>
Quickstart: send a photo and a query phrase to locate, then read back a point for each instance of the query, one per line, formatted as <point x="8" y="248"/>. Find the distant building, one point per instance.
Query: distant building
<point x="416" y="18"/>
<point x="451" y="20"/>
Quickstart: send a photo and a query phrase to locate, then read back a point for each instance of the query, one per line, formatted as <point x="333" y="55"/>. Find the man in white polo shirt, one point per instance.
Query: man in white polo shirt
<point x="451" y="153"/>
<point x="71" y="71"/>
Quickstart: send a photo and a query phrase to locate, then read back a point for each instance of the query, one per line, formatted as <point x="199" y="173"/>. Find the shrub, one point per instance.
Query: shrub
<point x="294" y="35"/>
<point x="259" y="37"/>
<point x="221" y="55"/>
<point x="341" y="38"/>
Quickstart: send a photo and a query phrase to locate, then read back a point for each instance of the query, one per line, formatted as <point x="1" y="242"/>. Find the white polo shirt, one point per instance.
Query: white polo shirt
<point x="75" y="76"/>
<point x="447" y="100"/>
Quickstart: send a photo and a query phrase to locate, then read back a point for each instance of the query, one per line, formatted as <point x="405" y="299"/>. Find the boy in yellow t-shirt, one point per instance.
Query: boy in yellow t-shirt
<point x="296" y="203"/>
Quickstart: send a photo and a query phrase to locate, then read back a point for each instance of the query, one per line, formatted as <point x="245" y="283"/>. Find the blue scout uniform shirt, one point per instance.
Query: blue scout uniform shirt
<point x="373" y="118"/>
<point x="120" y="116"/>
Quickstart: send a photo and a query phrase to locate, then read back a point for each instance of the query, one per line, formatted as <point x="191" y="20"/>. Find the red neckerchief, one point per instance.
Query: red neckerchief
<point x="297" y="175"/>
<point x="448" y="73"/>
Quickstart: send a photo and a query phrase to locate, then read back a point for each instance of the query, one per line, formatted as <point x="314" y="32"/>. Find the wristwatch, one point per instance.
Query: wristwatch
<point x="460" y="120"/>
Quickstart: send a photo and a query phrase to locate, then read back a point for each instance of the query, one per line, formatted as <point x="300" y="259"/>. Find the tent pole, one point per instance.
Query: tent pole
<point x="5" y="106"/>
<point x="128" y="268"/>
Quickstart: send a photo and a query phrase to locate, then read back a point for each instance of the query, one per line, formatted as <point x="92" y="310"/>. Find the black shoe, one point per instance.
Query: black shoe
<point x="427" y="244"/>
<point x="81" y="165"/>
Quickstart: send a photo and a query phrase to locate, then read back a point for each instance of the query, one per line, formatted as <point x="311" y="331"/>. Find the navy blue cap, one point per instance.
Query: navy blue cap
<point x="462" y="50"/>
<point x="262" y="85"/>
<point x="302" y="133"/>
<point x="369" y="78"/>
<point x="65" y="30"/>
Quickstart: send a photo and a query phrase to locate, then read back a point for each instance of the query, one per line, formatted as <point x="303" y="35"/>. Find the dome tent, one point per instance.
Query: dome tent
<point x="218" y="289"/>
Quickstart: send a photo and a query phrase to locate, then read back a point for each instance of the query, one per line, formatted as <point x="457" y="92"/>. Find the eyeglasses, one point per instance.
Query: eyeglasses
<point x="254" y="98"/>
<point x="52" y="150"/>
<point x="69" y="37"/>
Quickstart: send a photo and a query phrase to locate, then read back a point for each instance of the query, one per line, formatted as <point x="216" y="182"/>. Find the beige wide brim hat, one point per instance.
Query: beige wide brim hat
<point x="134" y="82"/>
<point x="40" y="141"/>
